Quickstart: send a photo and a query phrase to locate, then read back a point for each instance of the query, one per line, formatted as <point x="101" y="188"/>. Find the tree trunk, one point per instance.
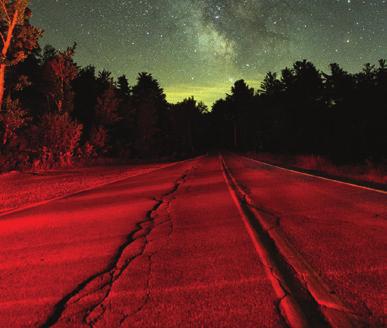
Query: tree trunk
<point x="4" y="52"/>
<point x="2" y="86"/>
<point x="5" y="136"/>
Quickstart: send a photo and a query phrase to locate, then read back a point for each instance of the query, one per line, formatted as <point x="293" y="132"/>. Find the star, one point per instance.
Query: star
<point x="213" y="40"/>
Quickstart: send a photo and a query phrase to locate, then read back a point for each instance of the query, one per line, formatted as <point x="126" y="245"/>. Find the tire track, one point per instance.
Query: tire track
<point x="304" y="298"/>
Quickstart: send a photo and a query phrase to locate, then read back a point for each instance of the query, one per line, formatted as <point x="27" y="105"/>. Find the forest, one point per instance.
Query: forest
<point x="55" y="113"/>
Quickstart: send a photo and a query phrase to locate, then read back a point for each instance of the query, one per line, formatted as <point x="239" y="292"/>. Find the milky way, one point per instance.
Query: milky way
<point x="199" y="47"/>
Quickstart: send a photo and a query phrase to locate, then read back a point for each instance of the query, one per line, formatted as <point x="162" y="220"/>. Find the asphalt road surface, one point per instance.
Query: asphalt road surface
<point x="217" y="241"/>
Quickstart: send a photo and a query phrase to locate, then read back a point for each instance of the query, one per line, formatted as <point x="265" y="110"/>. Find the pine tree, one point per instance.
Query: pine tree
<point x="150" y="106"/>
<point x="106" y="117"/>
<point x="240" y="101"/>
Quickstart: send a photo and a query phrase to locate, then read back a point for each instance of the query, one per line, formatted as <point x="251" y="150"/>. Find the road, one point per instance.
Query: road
<point x="217" y="241"/>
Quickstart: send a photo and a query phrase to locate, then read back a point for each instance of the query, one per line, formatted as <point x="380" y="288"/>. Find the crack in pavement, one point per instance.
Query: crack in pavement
<point x="297" y="319"/>
<point x="166" y="204"/>
<point x="306" y="287"/>
<point x="102" y="282"/>
<point x="272" y="223"/>
<point x="98" y="310"/>
<point x="151" y="219"/>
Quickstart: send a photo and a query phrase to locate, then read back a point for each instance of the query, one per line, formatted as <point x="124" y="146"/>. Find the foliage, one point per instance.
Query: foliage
<point x="98" y="139"/>
<point x="107" y="107"/>
<point x="150" y="107"/>
<point x="59" y="137"/>
<point x="12" y="119"/>
<point x="305" y="111"/>
<point x="59" y="71"/>
<point x="187" y="126"/>
<point x="17" y="36"/>
<point x="56" y="112"/>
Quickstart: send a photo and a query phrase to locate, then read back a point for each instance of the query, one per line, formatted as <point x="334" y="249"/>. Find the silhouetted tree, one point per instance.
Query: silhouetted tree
<point x="150" y="105"/>
<point x="187" y="126"/>
<point x="301" y="110"/>
<point x="25" y="82"/>
<point x="123" y="86"/>
<point x="106" y="116"/>
<point x="241" y="100"/>
<point x="222" y="125"/>
<point x="233" y="114"/>
<point x="85" y="87"/>
<point x="104" y="81"/>
<point x="124" y="132"/>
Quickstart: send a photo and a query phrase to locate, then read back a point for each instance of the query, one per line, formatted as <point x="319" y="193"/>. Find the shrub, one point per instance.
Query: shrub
<point x="99" y="139"/>
<point x="12" y="119"/>
<point x="59" y="139"/>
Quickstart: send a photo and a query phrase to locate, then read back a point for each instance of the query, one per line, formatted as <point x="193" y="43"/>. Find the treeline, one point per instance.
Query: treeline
<point x="55" y="113"/>
<point x="339" y="115"/>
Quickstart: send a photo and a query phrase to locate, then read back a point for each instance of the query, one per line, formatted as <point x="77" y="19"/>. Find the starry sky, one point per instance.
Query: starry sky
<point x="200" y="47"/>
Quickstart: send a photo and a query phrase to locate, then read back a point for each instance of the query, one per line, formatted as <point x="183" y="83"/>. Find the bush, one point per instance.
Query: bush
<point x="59" y="139"/>
<point x="99" y="139"/>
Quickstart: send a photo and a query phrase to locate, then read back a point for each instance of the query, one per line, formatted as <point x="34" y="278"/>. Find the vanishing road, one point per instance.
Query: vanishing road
<point x="217" y="241"/>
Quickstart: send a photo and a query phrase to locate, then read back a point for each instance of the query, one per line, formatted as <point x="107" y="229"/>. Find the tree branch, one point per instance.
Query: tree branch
<point x="2" y="37"/>
<point x="6" y="11"/>
<point x="11" y="28"/>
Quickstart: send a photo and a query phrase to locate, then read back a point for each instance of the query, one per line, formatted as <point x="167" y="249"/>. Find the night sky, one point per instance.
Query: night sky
<point x="200" y="47"/>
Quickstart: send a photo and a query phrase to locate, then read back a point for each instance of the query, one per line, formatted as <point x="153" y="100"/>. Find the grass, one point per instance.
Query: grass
<point x="367" y="173"/>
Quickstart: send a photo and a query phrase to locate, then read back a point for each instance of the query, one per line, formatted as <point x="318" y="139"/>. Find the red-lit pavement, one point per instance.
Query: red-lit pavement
<point x="178" y="247"/>
<point x="48" y="253"/>
<point x="340" y="230"/>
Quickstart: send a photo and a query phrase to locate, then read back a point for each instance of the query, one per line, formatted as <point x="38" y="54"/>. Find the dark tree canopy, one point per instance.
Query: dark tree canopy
<point x="57" y="113"/>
